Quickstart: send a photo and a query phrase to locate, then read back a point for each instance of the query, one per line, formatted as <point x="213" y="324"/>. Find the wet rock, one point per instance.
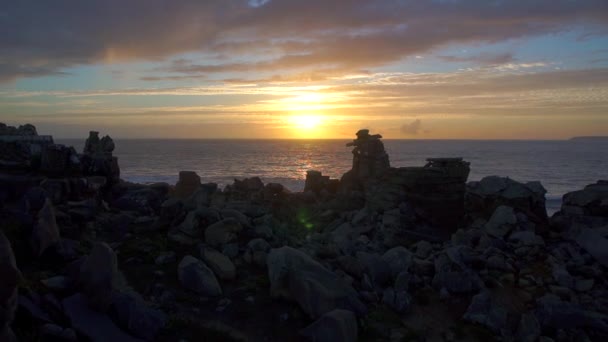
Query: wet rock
<point x="337" y="325"/>
<point x="95" y="326"/>
<point x="296" y="276"/>
<point x="219" y="263"/>
<point x="194" y="275"/>
<point x="222" y="232"/>
<point x="98" y="276"/>
<point x="46" y="232"/>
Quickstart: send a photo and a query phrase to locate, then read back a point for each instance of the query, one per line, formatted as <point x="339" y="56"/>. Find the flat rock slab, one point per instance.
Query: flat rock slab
<point x="94" y="325"/>
<point x="594" y="243"/>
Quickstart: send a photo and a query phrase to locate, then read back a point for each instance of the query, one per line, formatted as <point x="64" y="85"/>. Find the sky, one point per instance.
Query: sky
<point x="407" y="69"/>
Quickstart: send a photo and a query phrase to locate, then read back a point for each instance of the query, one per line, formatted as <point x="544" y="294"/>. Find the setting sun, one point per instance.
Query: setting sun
<point x="306" y="121"/>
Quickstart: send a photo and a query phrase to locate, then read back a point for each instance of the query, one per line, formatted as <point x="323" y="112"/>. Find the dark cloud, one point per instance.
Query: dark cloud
<point x="45" y="37"/>
<point x="412" y="128"/>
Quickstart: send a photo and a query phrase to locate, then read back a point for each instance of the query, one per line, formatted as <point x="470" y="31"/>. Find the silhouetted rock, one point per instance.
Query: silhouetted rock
<point x="189" y="182"/>
<point x="99" y="276"/>
<point x="46" y="232"/>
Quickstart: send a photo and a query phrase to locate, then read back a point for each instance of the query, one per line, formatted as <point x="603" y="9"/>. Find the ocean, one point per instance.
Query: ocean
<point x="561" y="166"/>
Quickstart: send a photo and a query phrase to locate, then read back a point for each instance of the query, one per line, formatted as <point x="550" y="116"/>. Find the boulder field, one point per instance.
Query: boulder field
<point x="382" y="254"/>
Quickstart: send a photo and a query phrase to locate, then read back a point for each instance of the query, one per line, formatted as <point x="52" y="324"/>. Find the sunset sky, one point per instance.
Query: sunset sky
<point x="442" y="69"/>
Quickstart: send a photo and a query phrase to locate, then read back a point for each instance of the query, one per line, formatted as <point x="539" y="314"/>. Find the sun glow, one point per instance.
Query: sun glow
<point x="305" y="122"/>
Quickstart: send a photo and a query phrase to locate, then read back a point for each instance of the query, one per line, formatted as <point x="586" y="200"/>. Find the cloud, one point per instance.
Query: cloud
<point x="481" y="59"/>
<point x="46" y="37"/>
<point x="413" y="128"/>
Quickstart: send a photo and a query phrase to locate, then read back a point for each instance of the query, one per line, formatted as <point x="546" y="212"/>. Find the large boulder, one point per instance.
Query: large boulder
<point x="95" y="326"/>
<point x="196" y="276"/>
<point x="483" y="197"/>
<point x="222" y="232"/>
<point x="98" y="276"/>
<point x="46" y="232"/>
<point x="296" y="276"/>
<point x="590" y="201"/>
<point x="132" y="314"/>
<point x="221" y="265"/>
<point x="337" y="325"/>
<point x="187" y="184"/>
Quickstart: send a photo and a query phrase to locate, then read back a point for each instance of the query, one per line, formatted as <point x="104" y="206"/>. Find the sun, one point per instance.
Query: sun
<point x="305" y="122"/>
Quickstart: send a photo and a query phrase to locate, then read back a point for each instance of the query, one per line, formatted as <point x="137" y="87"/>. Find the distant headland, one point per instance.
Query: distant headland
<point x="590" y="138"/>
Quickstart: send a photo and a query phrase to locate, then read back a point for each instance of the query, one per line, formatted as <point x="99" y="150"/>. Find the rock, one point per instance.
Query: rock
<point x="144" y="200"/>
<point x="337" y="325"/>
<point x="252" y="184"/>
<point x="92" y="324"/>
<point x="591" y="201"/>
<point x="595" y="244"/>
<point x="526" y="238"/>
<point x="257" y="252"/>
<point x="296" y="276"/>
<point x="136" y="317"/>
<point x="196" y="221"/>
<point x="528" y="329"/>
<point x="219" y="263"/>
<point x="453" y="272"/>
<point x="503" y="220"/>
<point x="485" y="311"/>
<point x="46" y="232"/>
<point x="171" y="209"/>
<point x="196" y="276"/>
<point x="98" y="276"/>
<point x="423" y="249"/>
<point x="400" y="301"/>
<point x="222" y="232"/>
<point x="350" y="265"/>
<point x="376" y="267"/>
<point x="165" y="258"/>
<point x="235" y="214"/>
<point x="187" y="184"/>
<point x="56" y="283"/>
<point x="484" y="197"/>
<point x="551" y="312"/>
<point x="584" y="285"/>
<point x="399" y="259"/>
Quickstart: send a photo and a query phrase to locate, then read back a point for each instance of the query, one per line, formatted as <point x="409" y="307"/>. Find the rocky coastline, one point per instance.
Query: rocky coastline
<point x="382" y="254"/>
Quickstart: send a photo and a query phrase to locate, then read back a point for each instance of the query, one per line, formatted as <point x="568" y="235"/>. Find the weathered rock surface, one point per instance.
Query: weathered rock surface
<point x="46" y="232"/>
<point x="222" y="232"/>
<point x="194" y="275"/>
<point x="219" y="263"/>
<point x="98" y="276"/>
<point x="296" y="276"/>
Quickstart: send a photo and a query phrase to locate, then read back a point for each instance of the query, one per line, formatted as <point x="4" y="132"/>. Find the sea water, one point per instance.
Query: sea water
<point x="561" y="166"/>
